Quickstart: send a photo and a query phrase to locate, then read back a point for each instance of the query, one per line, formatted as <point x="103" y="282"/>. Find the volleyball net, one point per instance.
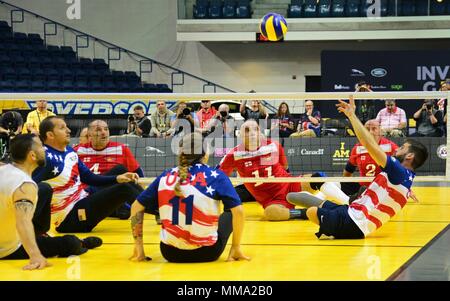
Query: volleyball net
<point x="322" y="143"/>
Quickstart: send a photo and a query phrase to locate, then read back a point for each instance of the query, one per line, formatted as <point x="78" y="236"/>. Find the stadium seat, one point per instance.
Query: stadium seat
<point x="163" y="88"/>
<point x="35" y="39"/>
<point x="23" y="86"/>
<point x="23" y="73"/>
<point x="324" y="8"/>
<point x="243" y="9"/>
<point x="229" y="9"/>
<point x="215" y="9"/>
<point x="407" y="8"/>
<point x="310" y="9"/>
<point x="38" y="86"/>
<point x="201" y="9"/>
<point x="7" y="85"/>
<point x="295" y="9"/>
<point x="438" y="8"/>
<point x="100" y="64"/>
<point x="338" y="8"/>
<point x="38" y="74"/>
<point x="352" y="8"/>
<point x="96" y="86"/>
<point x="20" y="38"/>
<point x="54" y="86"/>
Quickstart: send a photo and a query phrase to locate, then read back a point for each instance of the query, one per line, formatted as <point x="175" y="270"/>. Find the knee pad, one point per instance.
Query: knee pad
<point x="276" y="213"/>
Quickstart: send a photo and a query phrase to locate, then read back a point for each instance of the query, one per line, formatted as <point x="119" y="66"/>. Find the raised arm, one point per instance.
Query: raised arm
<point x="366" y="139"/>
<point x="24" y="199"/>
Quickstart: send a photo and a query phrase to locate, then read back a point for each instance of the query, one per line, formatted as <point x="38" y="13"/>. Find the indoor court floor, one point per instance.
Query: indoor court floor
<point x="280" y="250"/>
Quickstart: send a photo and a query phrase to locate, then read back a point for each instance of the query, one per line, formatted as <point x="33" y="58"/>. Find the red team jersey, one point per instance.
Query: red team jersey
<point x="101" y="161"/>
<point x="367" y="166"/>
<point x="268" y="160"/>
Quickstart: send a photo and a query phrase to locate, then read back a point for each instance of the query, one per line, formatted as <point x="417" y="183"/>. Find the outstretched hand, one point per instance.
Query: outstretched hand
<point x="37" y="263"/>
<point x="347" y="108"/>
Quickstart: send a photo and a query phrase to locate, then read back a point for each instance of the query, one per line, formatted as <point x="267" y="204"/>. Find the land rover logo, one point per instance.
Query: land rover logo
<point x="442" y="151"/>
<point x="378" y="72"/>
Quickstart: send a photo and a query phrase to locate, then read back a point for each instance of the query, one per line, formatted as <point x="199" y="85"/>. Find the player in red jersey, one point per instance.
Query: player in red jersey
<point x="258" y="157"/>
<point x="100" y="155"/>
<point x="106" y="157"/>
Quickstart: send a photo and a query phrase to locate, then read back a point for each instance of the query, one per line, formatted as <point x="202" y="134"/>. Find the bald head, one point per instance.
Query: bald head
<point x="99" y="134"/>
<point x="373" y="126"/>
<point x="250" y="134"/>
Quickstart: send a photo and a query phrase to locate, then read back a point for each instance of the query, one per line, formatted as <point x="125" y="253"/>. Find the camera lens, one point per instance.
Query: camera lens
<point x="223" y="113"/>
<point x="186" y="111"/>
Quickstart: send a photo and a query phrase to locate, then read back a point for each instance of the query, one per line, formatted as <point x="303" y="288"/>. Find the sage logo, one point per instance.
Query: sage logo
<point x="378" y="72"/>
<point x="397" y="87"/>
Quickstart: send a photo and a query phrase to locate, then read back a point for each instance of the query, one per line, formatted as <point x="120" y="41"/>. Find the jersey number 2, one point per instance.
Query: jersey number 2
<point x="189" y="202"/>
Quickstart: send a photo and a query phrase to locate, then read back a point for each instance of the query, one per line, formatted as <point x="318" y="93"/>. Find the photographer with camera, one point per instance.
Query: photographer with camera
<point x="429" y="120"/>
<point x="10" y="125"/>
<point x="138" y="123"/>
<point x="223" y="124"/>
<point x="183" y="118"/>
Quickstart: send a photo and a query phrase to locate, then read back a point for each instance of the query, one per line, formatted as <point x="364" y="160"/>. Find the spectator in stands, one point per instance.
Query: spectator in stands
<point x="105" y="157"/>
<point x="429" y="120"/>
<point x="138" y="123"/>
<point x="309" y="123"/>
<point x="392" y="120"/>
<point x="365" y="108"/>
<point x="183" y="118"/>
<point x="160" y="121"/>
<point x="442" y="104"/>
<point x="73" y="209"/>
<point x="84" y="136"/>
<point x="35" y="117"/>
<point x="205" y="114"/>
<point x="223" y="124"/>
<point x="256" y="111"/>
<point x="283" y="121"/>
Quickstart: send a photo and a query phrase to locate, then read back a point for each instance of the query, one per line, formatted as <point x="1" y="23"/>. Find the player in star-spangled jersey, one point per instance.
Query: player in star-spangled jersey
<point x="100" y="155"/>
<point x="72" y="208"/>
<point x="188" y="199"/>
<point x="386" y="195"/>
<point x="361" y="159"/>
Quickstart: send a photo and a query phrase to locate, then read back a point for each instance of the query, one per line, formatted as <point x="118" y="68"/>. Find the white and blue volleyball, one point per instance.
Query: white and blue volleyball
<point x="273" y="27"/>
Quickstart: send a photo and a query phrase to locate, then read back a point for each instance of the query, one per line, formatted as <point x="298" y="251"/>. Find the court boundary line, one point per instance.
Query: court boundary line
<point x="403" y="267"/>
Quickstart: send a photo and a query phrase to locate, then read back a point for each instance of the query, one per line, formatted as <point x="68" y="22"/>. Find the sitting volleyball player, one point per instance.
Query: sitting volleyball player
<point x="188" y="199"/>
<point x="383" y="198"/>
<point x="258" y="157"/>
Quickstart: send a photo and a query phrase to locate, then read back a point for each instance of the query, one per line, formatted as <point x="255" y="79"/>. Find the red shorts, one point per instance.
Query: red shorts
<point x="280" y="199"/>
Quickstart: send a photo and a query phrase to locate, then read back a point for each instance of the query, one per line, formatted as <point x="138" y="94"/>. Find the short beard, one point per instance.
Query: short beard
<point x="41" y="162"/>
<point x="400" y="158"/>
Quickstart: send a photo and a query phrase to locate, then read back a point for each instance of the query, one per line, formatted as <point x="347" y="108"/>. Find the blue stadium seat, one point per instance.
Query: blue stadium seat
<point x="407" y="8"/>
<point x="81" y="86"/>
<point x="118" y="76"/>
<point x="243" y="9"/>
<point x="35" y="39"/>
<point x="54" y="86"/>
<point x="310" y="9"/>
<point x="52" y="74"/>
<point x="352" y="8"/>
<point x="109" y="86"/>
<point x="38" y="74"/>
<point x="229" y="9"/>
<point x="38" y="86"/>
<point x="8" y="73"/>
<point x="68" y="86"/>
<point x="23" y="73"/>
<point x="164" y="88"/>
<point x="96" y="86"/>
<point x="7" y="85"/>
<point x="149" y="87"/>
<point x="132" y="77"/>
<point x="20" y="38"/>
<point x="54" y="51"/>
<point x="100" y="64"/>
<point x="438" y="8"/>
<point x="23" y="86"/>
<point x="338" y="8"/>
<point x="324" y="8"/>
<point x="67" y="74"/>
<point x="215" y="9"/>
<point x="201" y="9"/>
<point x="295" y="9"/>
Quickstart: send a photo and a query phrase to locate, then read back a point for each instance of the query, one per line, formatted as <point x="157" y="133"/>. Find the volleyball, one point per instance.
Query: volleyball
<point x="273" y="27"/>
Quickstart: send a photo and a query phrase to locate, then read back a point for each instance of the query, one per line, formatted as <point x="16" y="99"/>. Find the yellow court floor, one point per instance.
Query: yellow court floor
<point x="280" y="250"/>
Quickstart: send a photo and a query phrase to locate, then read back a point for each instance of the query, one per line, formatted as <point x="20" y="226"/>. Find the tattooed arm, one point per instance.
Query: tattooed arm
<point x="137" y="224"/>
<point x="24" y="198"/>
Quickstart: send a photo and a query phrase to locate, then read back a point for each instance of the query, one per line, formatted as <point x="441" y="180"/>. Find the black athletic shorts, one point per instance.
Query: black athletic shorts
<point x="335" y="221"/>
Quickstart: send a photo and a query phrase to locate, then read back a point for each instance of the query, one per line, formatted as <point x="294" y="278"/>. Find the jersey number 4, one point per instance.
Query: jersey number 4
<point x="189" y="202"/>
